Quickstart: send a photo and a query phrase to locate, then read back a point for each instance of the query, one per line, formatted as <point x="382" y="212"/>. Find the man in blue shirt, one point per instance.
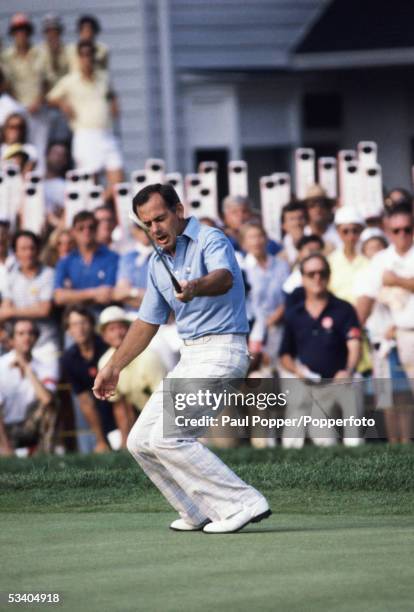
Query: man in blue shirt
<point x="211" y="318"/>
<point x="88" y="274"/>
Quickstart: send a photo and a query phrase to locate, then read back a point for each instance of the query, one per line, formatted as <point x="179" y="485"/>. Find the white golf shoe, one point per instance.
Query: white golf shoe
<point x="182" y="525"/>
<point x="234" y="523"/>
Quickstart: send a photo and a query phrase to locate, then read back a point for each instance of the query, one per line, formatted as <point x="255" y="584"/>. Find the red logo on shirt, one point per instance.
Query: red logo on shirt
<point x="327" y="322"/>
<point x="92" y="371"/>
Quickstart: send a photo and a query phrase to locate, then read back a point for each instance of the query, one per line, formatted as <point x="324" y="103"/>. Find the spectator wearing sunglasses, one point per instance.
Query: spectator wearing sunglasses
<point x="320" y="345"/>
<point x="347" y="261"/>
<point x="392" y="283"/>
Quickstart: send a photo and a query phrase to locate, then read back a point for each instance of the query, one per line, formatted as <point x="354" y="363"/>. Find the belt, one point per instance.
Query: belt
<point x="214" y="338"/>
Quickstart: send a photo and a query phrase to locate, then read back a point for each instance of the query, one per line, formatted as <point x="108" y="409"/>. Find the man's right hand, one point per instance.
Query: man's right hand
<point x="105" y="382"/>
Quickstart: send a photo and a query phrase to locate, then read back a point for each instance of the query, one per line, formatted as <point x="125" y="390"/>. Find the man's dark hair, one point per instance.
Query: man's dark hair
<point x="107" y="207"/>
<point x="11" y="327"/>
<point x="294" y="206"/>
<point x="319" y="256"/>
<point x="83" y="215"/>
<point x="28" y="234"/>
<point x="92" y="20"/>
<point x="58" y="143"/>
<point x="400" y="209"/>
<point x="80" y="310"/>
<point x="167" y="192"/>
<point x="86" y="44"/>
<point x="308" y="239"/>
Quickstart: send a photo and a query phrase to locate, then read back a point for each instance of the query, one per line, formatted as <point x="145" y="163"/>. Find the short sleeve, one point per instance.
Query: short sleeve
<point x="350" y="324"/>
<point x="218" y="253"/>
<point x="46" y="288"/>
<point x="288" y="344"/>
<point x="60" y="90"/>
<point x="60" y="274"/>
<point x="112" y="269"/>
<point x="154" y="308"/>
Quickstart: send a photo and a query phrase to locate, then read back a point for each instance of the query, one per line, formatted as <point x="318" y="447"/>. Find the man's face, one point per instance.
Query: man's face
<point x="236" y="215"/>
<point x="85" y="233"/>
<point x="80" y="328"/>
<point x="21" y="37"/>
<point x="57" y="159"/>
<point x="87" y="32"/>
<point x="106" y="225"/>
<point x="294" y="222"/>
<point x="254" y="242"/>
<point x="26" y="252"/>
<point x="318" y="211"/>
<point x="24" y="337"/>
<point x="401" y="231"/>
<point x="114" y="333"/>
<point x="315" y="277"/>
<point x="52" y="36"/>
<point x="349" y="234"/>
<point x="163" y="223"/>
<point x="86" y="59"/>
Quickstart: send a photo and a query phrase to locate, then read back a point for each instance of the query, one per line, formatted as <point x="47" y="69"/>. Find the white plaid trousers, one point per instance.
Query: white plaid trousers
<point x="192" y="478"/>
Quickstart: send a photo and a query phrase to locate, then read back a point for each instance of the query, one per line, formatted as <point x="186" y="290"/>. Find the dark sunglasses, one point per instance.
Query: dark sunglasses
<point x="324" y="274"/>
<point x="350" y="230"/>
<point x="402" y="230"/>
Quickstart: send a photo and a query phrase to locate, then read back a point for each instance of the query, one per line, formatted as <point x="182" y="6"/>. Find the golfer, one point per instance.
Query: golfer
<point x="211" y="319"/>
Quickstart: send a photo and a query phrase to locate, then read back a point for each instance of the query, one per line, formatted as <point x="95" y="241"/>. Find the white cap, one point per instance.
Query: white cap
<point x="372" y="232"/>
<point x="347" y="214"/>
<point x="111" y="314"/>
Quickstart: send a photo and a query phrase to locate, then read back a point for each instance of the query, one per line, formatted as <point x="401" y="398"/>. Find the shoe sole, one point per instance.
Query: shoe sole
<point x="199" y="528"/>
<point x="255" y="519"/>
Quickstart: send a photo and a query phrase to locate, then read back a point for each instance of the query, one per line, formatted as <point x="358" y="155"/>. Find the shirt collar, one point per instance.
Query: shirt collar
<point x="192" y="229"/>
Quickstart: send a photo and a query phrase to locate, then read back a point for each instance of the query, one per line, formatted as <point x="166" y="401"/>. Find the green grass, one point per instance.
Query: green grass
<point x="94" y="528"/>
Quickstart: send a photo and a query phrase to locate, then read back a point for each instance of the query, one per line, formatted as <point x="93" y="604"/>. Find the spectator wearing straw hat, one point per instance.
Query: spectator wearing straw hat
<point x="139" y="379"/>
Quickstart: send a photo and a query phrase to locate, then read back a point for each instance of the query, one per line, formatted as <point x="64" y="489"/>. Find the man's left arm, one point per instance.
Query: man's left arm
<point x="353" y="336"/>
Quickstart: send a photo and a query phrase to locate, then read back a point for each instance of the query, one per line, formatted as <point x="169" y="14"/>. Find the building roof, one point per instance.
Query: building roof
<point x="359" y="33"/>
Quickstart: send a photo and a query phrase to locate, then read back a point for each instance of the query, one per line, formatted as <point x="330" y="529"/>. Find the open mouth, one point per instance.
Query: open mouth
<point x="162" y="240"/>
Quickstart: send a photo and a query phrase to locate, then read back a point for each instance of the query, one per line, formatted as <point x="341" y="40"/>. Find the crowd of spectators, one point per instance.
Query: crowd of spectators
<point x="332" y="302"/>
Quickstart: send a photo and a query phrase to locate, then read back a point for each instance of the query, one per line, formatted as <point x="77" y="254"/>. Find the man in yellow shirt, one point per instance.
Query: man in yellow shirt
<point x="346" y="261"/>
<point x="140" y="378"/>
<point x="88" y="100"/>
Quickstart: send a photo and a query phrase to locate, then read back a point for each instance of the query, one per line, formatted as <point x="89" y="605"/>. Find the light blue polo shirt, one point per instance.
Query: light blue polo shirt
<point x="200" y="249"/>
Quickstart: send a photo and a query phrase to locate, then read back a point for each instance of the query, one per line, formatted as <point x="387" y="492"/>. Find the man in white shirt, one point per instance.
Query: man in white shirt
<point x="392" y="283"/>
<point x="27" y="386"/>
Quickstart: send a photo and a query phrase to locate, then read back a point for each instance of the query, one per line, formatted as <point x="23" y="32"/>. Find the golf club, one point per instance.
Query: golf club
<point x="144" y="228"/>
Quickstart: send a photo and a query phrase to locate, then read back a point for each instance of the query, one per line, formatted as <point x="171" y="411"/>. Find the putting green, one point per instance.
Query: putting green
<point x="290" y="562"/>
